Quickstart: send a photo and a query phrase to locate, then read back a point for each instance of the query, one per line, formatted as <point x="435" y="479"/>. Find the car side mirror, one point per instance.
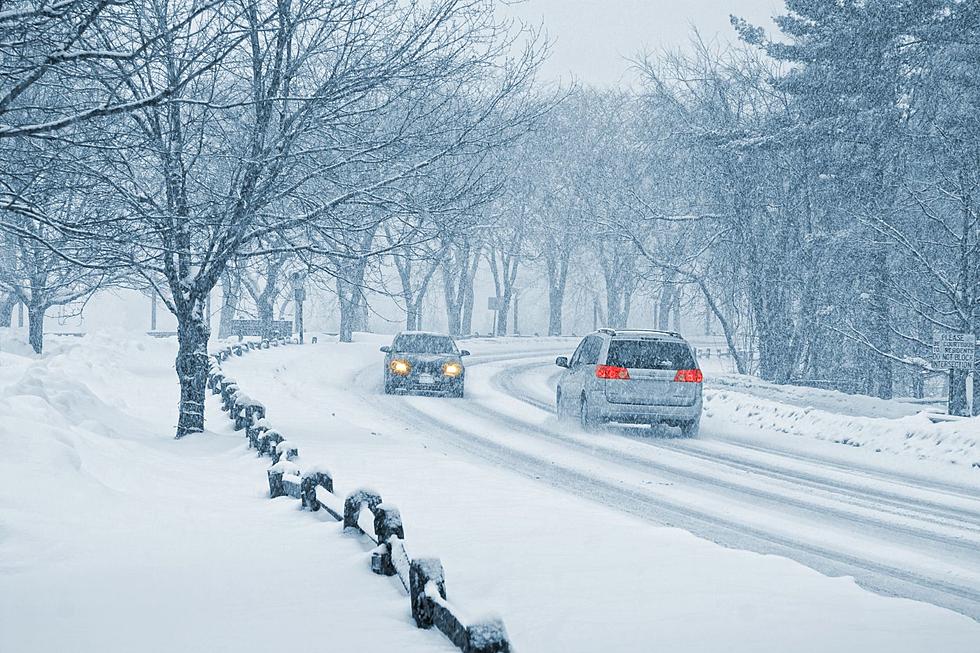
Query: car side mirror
<point x="464" y="352"/>
<point x="561" y="361"/>
<point x="386" y="349"/>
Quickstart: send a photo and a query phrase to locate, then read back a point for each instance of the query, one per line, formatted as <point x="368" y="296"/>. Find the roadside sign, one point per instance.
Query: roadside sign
<point x="954" y="351"/>
<point x="493" y="303"/>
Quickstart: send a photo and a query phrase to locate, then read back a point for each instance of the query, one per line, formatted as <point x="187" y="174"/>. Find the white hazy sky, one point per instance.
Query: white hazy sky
<point x="592" y="38"/>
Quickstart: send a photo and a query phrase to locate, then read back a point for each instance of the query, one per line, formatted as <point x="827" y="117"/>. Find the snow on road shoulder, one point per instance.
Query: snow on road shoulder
<point x="565" y="573"/>
<point x="740" y="405"/>
<point x="727" y="411"/>
<point x="115" y="537"/>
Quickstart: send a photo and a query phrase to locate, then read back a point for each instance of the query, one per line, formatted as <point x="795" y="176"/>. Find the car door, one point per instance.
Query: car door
<point x="582" y="367"/>
<point x="566" y="382"/>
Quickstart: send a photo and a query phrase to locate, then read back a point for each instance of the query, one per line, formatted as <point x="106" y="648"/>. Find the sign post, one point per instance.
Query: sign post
<point x="955" y="352"/>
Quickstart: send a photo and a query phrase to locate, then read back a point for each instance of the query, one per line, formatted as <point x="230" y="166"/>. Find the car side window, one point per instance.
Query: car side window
<point x="591" y="349"/>
<point x="578" y="353"/>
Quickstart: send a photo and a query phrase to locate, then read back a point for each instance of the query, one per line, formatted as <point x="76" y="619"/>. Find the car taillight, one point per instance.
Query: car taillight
<point x="689" y="376"/>
<point x="611" y="372"/>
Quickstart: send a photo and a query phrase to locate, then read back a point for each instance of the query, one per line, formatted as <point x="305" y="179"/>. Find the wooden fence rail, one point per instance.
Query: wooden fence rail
<point x="363" y="513"/>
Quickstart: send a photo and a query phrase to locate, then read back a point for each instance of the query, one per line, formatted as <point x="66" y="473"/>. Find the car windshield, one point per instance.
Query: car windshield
<point x="650" y="355"/>
<point x="423" y="343"/>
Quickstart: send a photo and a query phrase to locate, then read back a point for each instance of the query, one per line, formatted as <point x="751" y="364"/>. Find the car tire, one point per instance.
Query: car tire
<point x="458" y="392"/>
<point x="586" y="419"/>
<point x="389" y="387"/>
<point x="691" y="429"/>
<point x="559" y="413"/>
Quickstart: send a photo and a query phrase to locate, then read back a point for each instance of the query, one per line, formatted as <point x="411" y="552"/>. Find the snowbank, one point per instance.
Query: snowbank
<point x="738" y="406"/>
<point x="116" y="537"/>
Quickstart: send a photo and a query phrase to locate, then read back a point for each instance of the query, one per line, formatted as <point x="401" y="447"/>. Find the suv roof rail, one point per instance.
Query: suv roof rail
<point x="674" y="334"/>
<point x="613" y="332"/>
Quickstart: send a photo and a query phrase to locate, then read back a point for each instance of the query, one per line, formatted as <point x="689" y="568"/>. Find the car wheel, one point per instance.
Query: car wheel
<point x="587" y="420"/>
<point x="389" y="386"/>
<point x="559" y="413"/>
<point x="691" y="429"/>
<point x="459" y="392"/>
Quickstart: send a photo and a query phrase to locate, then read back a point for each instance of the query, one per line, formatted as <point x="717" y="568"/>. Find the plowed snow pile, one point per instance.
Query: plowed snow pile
<point x="748" y="405"/>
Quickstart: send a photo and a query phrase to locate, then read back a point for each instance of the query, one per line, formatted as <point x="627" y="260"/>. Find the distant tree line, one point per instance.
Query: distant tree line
<point x="816" y="191"/>
<point x="179" y="145"/>
<point x="812" y="192"/>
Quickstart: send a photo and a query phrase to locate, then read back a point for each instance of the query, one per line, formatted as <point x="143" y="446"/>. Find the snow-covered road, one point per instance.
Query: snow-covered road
<point x="901" y="536"/>
<point x="549" y="490"/>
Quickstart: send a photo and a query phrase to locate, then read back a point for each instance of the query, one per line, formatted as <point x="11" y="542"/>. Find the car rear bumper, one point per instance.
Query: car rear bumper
<point x="607" y="411"/>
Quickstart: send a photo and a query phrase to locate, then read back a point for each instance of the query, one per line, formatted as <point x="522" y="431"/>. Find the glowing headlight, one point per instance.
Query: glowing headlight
<point x="452" y="369"/>
<point x="400" y="367"/>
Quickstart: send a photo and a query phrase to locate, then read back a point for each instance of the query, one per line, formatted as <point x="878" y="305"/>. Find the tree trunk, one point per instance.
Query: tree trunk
<point x="7" y="309"/>
<point x="466" y="323"/>
<point x="503" y="313"/>
<point x="677" y="310"/>
<point x="976" y="390"/>
<point x="192" y="366"/>
<point x="361" y="314"/>
<point x="346" y="305"/>
<point x="726" y="327"/>
<point x="556" y="299"/>
<point x="267" y="315"/>
<point x="153" y="311"/>
<point x="880" y="319"/>
<point x="230" y="288"/>
<point x="35" y="327"/>
<point x="413" y="309"/>
<point x="664" y="306"/>
<point x="412" y="317"/>
<point x="957" y="393"/>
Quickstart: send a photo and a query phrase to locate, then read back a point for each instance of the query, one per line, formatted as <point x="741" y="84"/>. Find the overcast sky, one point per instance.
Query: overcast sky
<point x="591" y="38"/>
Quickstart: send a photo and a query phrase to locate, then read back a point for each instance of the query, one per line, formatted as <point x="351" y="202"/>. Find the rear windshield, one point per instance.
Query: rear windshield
<point x="650" y="355"/>
<point x="424" y="344"/>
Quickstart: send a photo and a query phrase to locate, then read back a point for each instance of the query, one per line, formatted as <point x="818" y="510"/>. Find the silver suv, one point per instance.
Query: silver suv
<point x="633" y="377"/>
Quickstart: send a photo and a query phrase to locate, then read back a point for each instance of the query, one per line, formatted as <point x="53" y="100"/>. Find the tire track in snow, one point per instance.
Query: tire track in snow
<point x="898" y="504"/>
<point x="888" y="579"/>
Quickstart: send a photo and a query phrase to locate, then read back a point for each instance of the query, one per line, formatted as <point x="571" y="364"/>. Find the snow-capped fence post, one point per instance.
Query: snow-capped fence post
<point x="387" y="525"/>
<point x="278" y="474"/>
<point x="275" y="484"/>
<point x="227" y="387"/>
<point x="255" y="431"/>
<point x="355" y="501"/>
<point x="313" y="479"/>
<point x="422" y="573"/>
<point x="267" y="443"/>
<point x="488" y="636"/>
<point x="247" y="411"/>
<point x="284" y="450"/>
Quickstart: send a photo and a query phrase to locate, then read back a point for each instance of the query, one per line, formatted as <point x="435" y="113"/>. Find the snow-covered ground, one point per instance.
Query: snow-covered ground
<point x="561" y="531"/>
<point x="115" y="537"/>
<point x="750" y="405"/>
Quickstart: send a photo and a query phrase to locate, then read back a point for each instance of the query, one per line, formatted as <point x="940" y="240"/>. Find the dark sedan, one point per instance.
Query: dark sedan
<point x="422" y="362"/>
